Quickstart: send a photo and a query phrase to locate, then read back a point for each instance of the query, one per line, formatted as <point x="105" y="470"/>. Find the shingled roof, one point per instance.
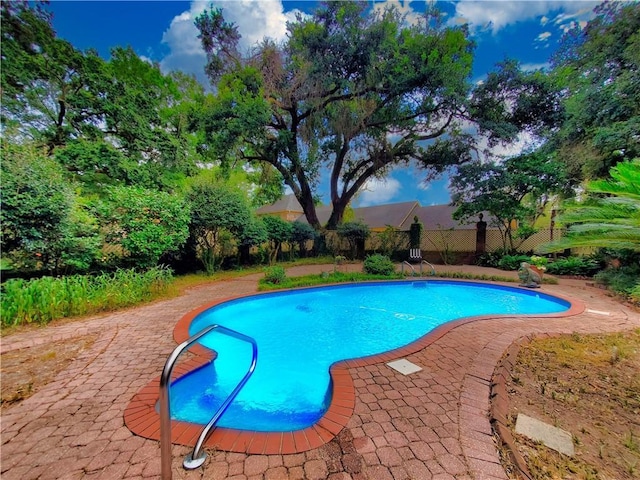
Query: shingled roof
<point x="398" y="215"/>
<point x="379" y="216"/>
<point x="436" y="217"/>
<point x="287" y="203"/>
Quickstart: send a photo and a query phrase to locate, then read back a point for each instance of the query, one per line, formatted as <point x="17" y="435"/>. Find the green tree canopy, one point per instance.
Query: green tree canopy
<point x="44" y="225"/>
<point x="215" y="210"/>
<point x="278" y="232"/>
<point x="352" y="91"/>
<point x="598" y="69"/>
<point x="146" y="223"/>
<point x="513" y="191"/>
<point x="301" y="233"/>
<point x="355" y="233"/>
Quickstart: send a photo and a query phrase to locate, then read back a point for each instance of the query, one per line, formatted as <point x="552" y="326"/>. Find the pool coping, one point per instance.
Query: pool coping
<point x="142" y="418"/>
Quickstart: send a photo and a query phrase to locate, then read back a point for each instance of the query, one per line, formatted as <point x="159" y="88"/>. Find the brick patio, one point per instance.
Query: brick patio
<point x="430" y="425"/>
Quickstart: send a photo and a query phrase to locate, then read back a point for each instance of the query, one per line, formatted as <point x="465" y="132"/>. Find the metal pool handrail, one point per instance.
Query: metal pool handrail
<point x="433" y="269"/>
<point x="196" y="458"/>
<point x="413" y="270"/>
<point x="410" y="266"/>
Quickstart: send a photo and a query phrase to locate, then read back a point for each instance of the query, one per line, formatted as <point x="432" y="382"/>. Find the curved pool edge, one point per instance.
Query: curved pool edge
<point x="142" y="419"/>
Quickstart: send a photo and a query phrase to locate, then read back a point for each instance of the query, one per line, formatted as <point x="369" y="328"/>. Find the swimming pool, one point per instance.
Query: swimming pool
<point x="301" y="333"/>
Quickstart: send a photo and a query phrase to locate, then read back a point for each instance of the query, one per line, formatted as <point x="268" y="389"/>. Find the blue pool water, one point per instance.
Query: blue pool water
<point x="301" y="333"/>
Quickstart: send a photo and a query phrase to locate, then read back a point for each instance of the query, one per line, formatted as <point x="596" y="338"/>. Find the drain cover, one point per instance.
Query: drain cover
<point x="405" y="367"/>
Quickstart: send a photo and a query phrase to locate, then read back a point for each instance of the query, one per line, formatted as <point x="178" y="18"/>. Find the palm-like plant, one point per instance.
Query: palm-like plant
<point x="611" y="220"/>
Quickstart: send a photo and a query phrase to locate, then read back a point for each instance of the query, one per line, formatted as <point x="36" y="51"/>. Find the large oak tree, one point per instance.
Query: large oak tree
<point x="354" y="92"/>
<point x="349" y="91"/>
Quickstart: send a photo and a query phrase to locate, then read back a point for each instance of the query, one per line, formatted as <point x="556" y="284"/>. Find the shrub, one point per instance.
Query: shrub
<point x="574" y="266"/>
<point x="620" y="280"/>
<point x="634" y="294"/>
<point x="490" y="259"/>
<point x="147" y="224"/>
<point x="379" y="265"/>
<point x="274" y="275"/>
<point x="219" y="214"/>
<point x="512" y="262"/>
<point x="392" y="241"/>
<point x="301" y="233"/>
<point x="355" y="233"/>
<point x="278" y="232"/>
<point x="45" y="225"/>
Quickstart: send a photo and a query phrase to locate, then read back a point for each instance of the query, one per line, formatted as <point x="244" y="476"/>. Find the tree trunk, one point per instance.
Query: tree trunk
<point x="309" y="208"/>
<point x="337" y="213"/>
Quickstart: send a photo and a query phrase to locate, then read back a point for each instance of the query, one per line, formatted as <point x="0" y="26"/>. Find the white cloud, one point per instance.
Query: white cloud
<point x="404" y="8"/>
<point x="543" y="37"/>
<point x="254" y="19"/>
<point x="530" y="67"/>
<point x="378" y="191"/>
<point x="494" y="15"/>
<point x="544" y="20"/>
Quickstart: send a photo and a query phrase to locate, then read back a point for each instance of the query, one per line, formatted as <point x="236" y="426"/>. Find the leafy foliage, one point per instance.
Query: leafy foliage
<point x="301" y="233"/>
<point x="599" y="70"/>
<point x="274" y="275"/>
<point x="512" y="262"/>
<point x="622" y="280"/>
<point x="392" y="241"/>
<point x="574" y="266"/>
<point x="610" y="217"/>
<point x="512" y="191"/>
<point x="45" y="299"/>
<point x="44" y="225"/>
<point x="415" y="233"/>
<point x="379" y="265"/>
<point x="342" y="81"/>
<point x="146" y="224"/>
<point x="278" y="232"/>
<point x="355" y="233"/>
<point x="216" y="209"/>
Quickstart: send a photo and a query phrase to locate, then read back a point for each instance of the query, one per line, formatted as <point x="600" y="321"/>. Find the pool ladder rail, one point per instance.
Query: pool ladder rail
<point x="413" y="270"/>
<point x="196" y="458"/>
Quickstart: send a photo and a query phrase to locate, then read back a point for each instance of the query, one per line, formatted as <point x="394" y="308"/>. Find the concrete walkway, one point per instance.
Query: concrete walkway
<point x="430" y="425"/>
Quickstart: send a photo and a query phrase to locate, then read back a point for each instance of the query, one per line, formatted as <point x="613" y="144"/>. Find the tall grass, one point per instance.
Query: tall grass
<point x="44" y="299"/>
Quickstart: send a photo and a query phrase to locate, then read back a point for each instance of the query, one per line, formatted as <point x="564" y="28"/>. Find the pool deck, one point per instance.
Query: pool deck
<point x="432" y="424"/>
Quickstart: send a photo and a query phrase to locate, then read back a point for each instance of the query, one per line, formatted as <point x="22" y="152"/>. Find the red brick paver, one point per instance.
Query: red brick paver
<point x="429" y="425"/>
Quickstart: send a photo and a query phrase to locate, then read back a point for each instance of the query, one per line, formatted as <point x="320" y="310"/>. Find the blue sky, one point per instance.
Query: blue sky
<point x="163" y="31"/>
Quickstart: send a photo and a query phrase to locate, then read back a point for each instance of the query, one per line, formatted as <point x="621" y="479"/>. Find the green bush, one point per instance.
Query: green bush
<point x="574" y="266"/>
<point x="274" y="275"/>
<point x="44" y="299"/>
<point x="634" y="294"/>
<point x="355" y="233"/>
<point x="621" y="280"/>
<point x="379" y="265"/>
<point x="512" y="262"/>
<point x="490" y="259"/>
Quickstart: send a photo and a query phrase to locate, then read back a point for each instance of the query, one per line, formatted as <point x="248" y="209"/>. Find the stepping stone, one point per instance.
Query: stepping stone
<point x="405" y="367"/>
<point x="554" y="438"/>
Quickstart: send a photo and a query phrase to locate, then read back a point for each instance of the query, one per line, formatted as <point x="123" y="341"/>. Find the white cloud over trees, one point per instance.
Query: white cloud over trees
<point x="495" y="15"/>
<point x="254" y="19"/>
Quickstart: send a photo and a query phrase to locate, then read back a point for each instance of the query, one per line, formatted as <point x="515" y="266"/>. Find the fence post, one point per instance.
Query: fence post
<point x="481" y="235"/>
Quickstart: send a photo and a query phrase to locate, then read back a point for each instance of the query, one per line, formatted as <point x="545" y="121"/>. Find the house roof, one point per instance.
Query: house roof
<point x="398" y="215"/>
<point x="379" y="216"/>
<point x="287" y="203"/>
<point x="437" y="217"/>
